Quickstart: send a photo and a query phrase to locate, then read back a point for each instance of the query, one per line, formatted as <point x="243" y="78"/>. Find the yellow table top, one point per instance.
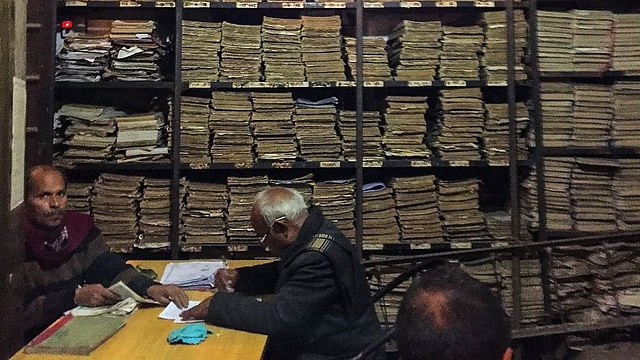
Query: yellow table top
<point x="144" y="336"/>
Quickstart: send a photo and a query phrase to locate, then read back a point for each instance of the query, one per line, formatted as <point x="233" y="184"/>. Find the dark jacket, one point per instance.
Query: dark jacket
<point x="320" y="302"/>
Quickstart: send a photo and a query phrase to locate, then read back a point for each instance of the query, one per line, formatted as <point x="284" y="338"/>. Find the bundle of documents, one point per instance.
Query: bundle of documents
<point x="484" y="269"/>
<point x="322" y="48"/>
<point x="494" y="61"/>
<point x="498" y="225"/>
<point x="205" y="213"/>
<point x="303" y="184"/>
<point x="191" y="274"/>
<point x="241" y="51"/>
<point x="592" y="115"/>
<point x="531" y="293"/>
<point x="282" y="49"/>
<point x="528" y="196"/>
<point x="83" y="58"/>
<point x="154" y="219"/>
<point x="627" y="195"/>
<point x="626" y="47"/>
<point x="625" y="127"/>
<point x="201" y="50"/>
<point x="592" y="40"/>
<point x="337" y="202"/>
<point x="458" y="201"/>
<point x="141" y="137"/>
<point x="242" y="191"/>
<point x="555" y="41"/>
<point x="456" y="129"/>
<point x="375" y="66"/>
<point x="315" y="127"/>
<point x="272" y="127"/>
<point x="115" y="205"/>
<point x="194" y="130"/>
<point x="460" y="48"/>
<point x="137" y="51"/>
<point x="79" y="197"/>
<point x="405" y="127"/>
<point x="87" y="133"/>
<point x="229" y="124"/>
<point x="387" y="307"/>
<point x="414" y="49"/>
<point x="416" y="201"/>
<point x="495" y="134"/>
<point x="592" y="195"/>
<point x="379" y="225"/>
<point x="557" y="183"/>
<point x="371" y="137"/>
<point x="556" y="103"/>
<point x="622" y="271"/>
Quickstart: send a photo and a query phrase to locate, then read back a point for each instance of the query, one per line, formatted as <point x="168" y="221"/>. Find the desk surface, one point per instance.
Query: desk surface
<point x="145" y="336"/>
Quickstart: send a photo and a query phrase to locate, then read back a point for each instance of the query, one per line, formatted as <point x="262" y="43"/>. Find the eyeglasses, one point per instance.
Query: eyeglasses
<point x="262" y="239"/>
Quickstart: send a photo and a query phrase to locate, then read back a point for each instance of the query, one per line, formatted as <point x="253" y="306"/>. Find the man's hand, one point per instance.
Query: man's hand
<point x="198" y="312"/>
<point x="164" y="294"/>
<point x="225" y="279"/>
<point x="95" y="295"/>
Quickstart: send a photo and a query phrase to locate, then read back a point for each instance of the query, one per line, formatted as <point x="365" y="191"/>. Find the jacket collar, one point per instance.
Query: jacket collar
<point x="310" y="227"/>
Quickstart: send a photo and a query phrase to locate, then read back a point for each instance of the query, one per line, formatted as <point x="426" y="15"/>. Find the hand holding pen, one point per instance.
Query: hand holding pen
<point x="225" y="278"/>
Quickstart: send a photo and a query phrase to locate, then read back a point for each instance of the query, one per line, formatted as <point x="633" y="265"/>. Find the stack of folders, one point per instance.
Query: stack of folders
<point x="414" y="48"/>
<point x="282" y="49"/>
<point x="379" y="225"/>
<point x="592" y="195"/>
<point x="375" y="66"/>
<point x="83" y="58"/>
<point x="272" y="126"/>
<point x="495" y="134"/>
<point x="194" y="130"/>
<point x="201" y="50"/>
<point x="137" y="51"/>
<point x="625" y="127"/>
<point x="626" y="48"/>
<point x="405" y="127"/>
<point x="460" y="48"/>
<point x="416" y="200"/>
<point x="191" y="274"/>
<point x="556" y="102"/>
<point x="242" y="191"/>
<point x="322" y="48"/>
<point x="315" y="127"/>
<point x="241" y="52"/>
<point x="141" y="137"/>
<point x="557" y="186"/>
<point x="592" y="115"/>
<point x="592" y="40"/>
<point x="229" y="124"/>
<point x="627" y="195"/>
<point x="303" y="184"/>
<point x="484" y="269"/>
<point x="494" y="61"/>
<point x="460" y="209"/>
<point x="205" y="210"/>
<point x="531" y="293"/>
<point x="371" y="137"/>
<point x="79" y="197"/>
<point x="387" y="307"/>
<point x="499" y="225"/>
<point x="555" y="41"/>
<point x="337" y="202"/>
<point x="154" y="219"/>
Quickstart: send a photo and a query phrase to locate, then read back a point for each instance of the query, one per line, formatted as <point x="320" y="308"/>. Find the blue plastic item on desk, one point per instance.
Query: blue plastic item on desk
<point x="189" y="334"/>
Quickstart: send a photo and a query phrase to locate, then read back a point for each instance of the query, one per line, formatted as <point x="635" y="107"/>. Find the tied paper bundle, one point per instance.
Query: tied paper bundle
<point x="191" y="334"/>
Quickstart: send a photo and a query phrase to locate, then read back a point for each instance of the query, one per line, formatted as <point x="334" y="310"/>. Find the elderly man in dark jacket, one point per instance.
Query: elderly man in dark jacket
<point x="321" y="303"/>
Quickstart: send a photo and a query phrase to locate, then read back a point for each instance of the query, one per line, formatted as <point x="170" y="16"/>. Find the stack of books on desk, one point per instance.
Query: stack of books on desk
<point x="592" y="196"/>
<point x="242" y="191"/>
<point x="282" y="49"/>
<point x="625" y="126"/>
<point x="379" y="225"/>
<point x="79" y="197"/>
<point x="405" y="127"/>
<point x="241" y="52"/>
<point x="272" y="127"/>
<point x="626" y="48"/>
<point x="458" y="201"/>
<point x="154" y="219"/>
<point x="141" y="137"/>
<point x="83" y="58"/>
<point x="592" y="40"/>
<point x="414" y="50"/>
<point x="205" y="213"/>
<point x="531" y="294"/>
<point x="371" y="137"/>
<point x="494" y="60"/>
<point x="416" y="201"/>
<point x="322" y="48"/>
<point x="194" y="130"/>
<point x="315" y="127"/>
<point x="375" y="66"/>
<point x="627" y="195"/>
<point x="337" y="202"/>
<point x="459" y="57"/>
<point x="229" y="124"/>
<point x="201" y="50"/>
<point x="137" y="51"/>
<point x="495" y="134"/>
<point x="555" y="41"/>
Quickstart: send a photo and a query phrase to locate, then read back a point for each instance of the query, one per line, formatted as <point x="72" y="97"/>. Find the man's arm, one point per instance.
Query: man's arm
<point x="45" y="309"/>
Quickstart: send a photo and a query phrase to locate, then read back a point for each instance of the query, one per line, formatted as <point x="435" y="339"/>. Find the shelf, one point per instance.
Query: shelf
<point x="345" y="84"/>
<point x="609" y="74"/>
<point x="194" y="248"/>
<point x="165" y="165"/>
<point x="114" y="85"/>
<point x="122" y="4"/>
<point x="591" y="152"/>
<point x="559" y="329"/>
<point x="436" y="247"/>
<point x="345" y="164"/>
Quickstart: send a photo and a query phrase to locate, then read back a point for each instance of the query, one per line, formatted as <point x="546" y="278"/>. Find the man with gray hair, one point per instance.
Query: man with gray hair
<point x="321" y="304"/>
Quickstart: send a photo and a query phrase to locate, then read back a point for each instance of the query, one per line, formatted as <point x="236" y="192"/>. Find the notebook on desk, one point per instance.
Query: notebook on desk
<point x="75" y="335"/>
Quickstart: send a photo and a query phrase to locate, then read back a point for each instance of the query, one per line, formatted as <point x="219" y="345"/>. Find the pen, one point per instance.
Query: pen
<point x="225" y="265"/>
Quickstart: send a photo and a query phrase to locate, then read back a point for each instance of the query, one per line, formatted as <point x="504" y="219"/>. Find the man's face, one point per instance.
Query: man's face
<point x="274" y="241"/>
<point x="47" y="200"/>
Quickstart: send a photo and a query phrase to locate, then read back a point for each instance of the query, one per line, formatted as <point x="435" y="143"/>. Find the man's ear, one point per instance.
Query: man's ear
<point x="507" y="354"/>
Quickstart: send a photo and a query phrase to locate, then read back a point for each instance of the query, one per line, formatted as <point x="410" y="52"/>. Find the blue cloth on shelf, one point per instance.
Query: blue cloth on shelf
<point x="189" y="334"/>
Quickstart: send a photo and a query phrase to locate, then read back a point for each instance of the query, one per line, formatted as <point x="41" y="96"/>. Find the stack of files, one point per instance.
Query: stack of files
<point x="194" y="130"/>
<point x="459" y="209"/>
<point x="625" y="277"/>
<point x="495" y="134"/>
<point x="371" y="137"/>
<point x="494" y="61"/>
<point x="337" y="202"/>
<point x="556" y="102"/>
<point x="405" y="127"/>
<point x="89" y="133"/>
<point x="413" y="50"/>
<point x="241" y="51"/>
<point x="303" y="184"/>
<point x="499" y="225"/>
<point x="592" y="195"/>
<point x="387" y="307"/>
<point x="592" y="40"/>
<point x="528" y="197"/>
<point x="322" y="48"/>
<point x="242" y="191"/>
<point x="379" y="225"/>
<point x="315" y="127"/>
<point x="229" y="124"/>
<point x="460" y="48"/>
<point x="557" y="184"/>
<point x="115" y="205"/>
<point x="627" y="194"/>
<point x="483" y="269"/>
<point x="200" y="50"/>
<point x="154" y="219"/>
<point x="592" y="115"/>
<point x="205" y="213"/>
<point x="137" y="50"/>
<point x="282" y="49"/>
<point x="79" y="197"/>
<point x="626" y="47"/>
<point x="416" y="201"/>
<point x="191" y="274"/>
<point x="83" y="58"/>
<point x="456" y="129"/>
<point x="272" y="127"/>
<point x="375" y="66"/>
<point x="555" y="41"/>
<point x="603" y="270"/>
<point x="572" y="283"/>
<point x="625" y="127"/>
<point x="531" y="293"/>
<point x="141" y="137"/>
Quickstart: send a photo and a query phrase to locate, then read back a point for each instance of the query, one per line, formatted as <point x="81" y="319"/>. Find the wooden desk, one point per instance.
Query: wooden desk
<point x="145" y="336"/>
